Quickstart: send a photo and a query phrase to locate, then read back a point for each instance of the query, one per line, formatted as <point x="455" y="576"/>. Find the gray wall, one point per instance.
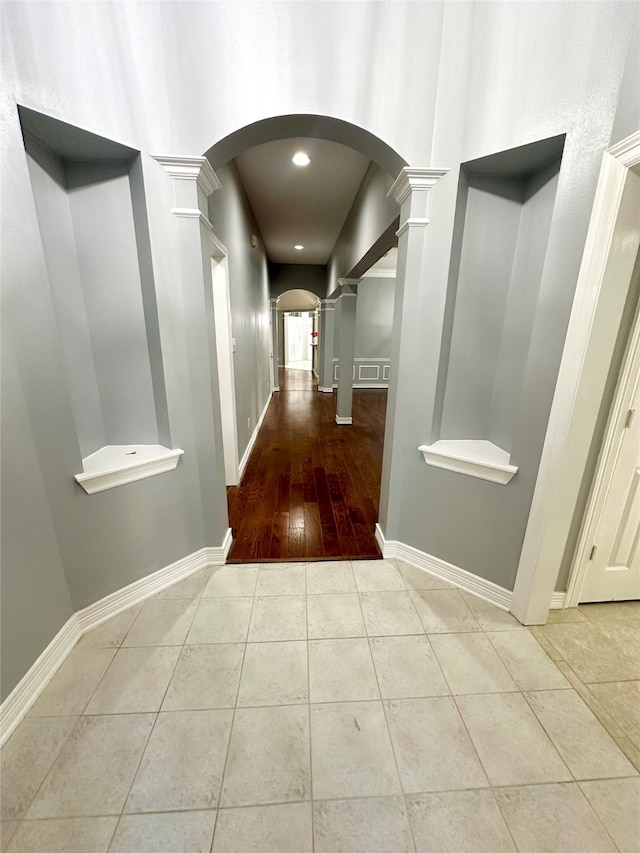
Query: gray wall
<point x="368" y="231"/>
<point x="233" y="224"/>
<point x="283" y="277"/>
<point x="374" y="317"/>
<point x="503" y="247"/>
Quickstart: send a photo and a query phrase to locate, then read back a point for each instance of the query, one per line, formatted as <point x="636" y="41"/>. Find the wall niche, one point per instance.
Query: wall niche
<point x="91" y="208"/>
<point x="503" y="217"/>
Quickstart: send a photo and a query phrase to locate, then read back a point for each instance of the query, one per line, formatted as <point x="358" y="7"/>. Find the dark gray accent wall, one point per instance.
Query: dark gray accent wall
<point x="283" y="277"/>
<point x="233" y="224"/>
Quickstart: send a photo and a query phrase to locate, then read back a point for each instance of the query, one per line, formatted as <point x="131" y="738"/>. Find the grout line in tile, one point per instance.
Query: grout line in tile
<point x="233" y="717"/>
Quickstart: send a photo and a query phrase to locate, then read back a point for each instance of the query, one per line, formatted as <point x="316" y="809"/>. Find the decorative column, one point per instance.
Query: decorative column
<point x="347" y="337"/>
<point x="193" y="182"/>
<point x="275" y="377"/>
<point x="326" y="338"/>
<point x="411" y="191"/>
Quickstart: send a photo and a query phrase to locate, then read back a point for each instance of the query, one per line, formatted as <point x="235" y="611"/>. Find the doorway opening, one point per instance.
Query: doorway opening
<point x="312" y="483"/>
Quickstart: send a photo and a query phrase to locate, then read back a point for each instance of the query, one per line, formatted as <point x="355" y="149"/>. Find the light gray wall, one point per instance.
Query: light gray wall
<point x="58" y="241"/>
<point x="492" y="222"/>
<point x="374" y="317"/>
<point x="627" y="117"/>
<point x="102" y="216"/>
<point x="503" y="247"/>
<point x="530" y="250"/>
<point x="35" y="600"/>
<point x="233" y="224"/>
<point x="368" y="231"/>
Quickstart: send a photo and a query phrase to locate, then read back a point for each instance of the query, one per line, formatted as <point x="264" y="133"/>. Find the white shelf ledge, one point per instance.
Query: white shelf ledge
<point x="117" y="464"/>
<point x="473" y="457"/>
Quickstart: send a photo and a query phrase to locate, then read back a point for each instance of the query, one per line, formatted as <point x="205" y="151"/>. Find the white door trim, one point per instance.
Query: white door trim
<point x="224" y="348"/>
<point x="606" y="463"/>
<point x="577" y="397"/>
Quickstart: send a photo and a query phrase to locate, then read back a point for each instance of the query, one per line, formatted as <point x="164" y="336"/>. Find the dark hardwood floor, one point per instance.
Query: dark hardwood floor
<point x="311" y="489"/>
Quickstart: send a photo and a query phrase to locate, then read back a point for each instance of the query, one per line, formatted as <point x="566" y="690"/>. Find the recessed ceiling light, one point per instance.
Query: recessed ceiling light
<point x="301" y="159"/>
<point x="298" y="248"/>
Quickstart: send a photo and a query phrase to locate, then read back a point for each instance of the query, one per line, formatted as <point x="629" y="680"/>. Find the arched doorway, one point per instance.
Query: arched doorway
<point x="372" y="235"/>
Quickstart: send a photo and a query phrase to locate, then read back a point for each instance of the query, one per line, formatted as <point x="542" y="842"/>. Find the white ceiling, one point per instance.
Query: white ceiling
<point x="306" y="205"/>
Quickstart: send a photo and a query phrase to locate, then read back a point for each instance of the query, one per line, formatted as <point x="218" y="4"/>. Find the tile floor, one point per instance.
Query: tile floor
<point x="332" y="707"/>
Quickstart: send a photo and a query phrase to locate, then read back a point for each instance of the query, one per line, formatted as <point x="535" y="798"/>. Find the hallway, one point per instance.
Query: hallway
<point x="311" y="488"/>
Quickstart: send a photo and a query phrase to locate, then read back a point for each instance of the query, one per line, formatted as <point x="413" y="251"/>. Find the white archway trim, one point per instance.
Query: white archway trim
<point x="576" y="400"/>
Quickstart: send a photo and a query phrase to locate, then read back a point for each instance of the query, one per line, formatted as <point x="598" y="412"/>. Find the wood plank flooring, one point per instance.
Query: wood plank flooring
<point x="311" y="489"/>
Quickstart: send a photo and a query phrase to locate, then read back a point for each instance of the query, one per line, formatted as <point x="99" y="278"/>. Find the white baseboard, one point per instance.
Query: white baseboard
<point x="252" y="440"/>
<point x="558" y="600"/>
<point x="326" y="390"/>
<point x="491" y="592"/>
<point x="343" y="421"/>
<point x="31" y="685"/>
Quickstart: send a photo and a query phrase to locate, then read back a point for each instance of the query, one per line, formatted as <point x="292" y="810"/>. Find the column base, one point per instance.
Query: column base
<point x="343" y="421"/>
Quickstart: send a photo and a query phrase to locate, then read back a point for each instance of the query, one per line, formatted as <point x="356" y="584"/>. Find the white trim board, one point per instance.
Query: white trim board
<point x="254" y="436"/>
<point x="24" y="694"/>
<point x="481" y="588"/>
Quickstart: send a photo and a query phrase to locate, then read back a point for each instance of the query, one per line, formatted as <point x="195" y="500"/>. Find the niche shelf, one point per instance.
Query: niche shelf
<point x="117" y="464"/>
<point x="475" y="457"/>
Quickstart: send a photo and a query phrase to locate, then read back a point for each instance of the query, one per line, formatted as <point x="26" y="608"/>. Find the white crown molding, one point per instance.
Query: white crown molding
<point x="480" y="587"/>
<point x="254" y="435"/>
<point x="343" y="421"/>
<point x="197" y="169"/>
<point x="627" y="151"/>
<point x="22" y="697"/>
<point x="109" y="467"/>
<point x="476" y="458"/>
<point x="413" y="179"/>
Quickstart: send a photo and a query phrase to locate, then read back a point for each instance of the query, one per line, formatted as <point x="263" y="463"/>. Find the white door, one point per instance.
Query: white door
<point x="613" y="561"/>
<point x="226" y="382"/>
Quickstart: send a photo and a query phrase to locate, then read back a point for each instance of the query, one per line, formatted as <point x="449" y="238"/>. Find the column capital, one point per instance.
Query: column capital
<point x="348" y="286"/>
<point x="197" y="169"/>
<point x="413" y="179"/>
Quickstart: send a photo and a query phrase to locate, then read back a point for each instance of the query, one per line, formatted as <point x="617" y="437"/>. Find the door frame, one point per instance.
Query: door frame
<point x="593" y="327"/>
<point x="625" y="390"/>
<point x="219" y="254"/>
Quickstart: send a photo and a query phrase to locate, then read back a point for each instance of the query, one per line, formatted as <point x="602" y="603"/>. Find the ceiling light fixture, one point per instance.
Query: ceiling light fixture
<point x="301" y="159"/>
<point x="298" y="248"/>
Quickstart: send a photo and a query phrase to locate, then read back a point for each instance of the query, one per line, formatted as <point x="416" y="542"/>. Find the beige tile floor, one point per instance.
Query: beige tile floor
<point x="334" y="708"/>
